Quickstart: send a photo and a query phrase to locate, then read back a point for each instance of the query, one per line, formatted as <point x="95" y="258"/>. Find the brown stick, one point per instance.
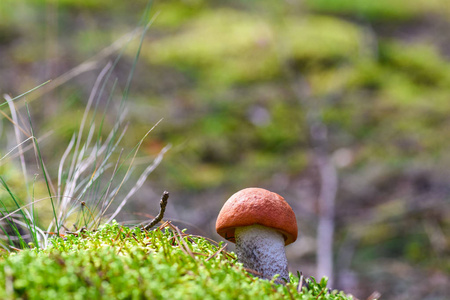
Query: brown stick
<point x="162" y="203"/>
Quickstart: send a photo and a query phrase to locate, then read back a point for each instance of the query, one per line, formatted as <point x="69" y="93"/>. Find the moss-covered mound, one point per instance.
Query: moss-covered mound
<point x="116" y="262"/>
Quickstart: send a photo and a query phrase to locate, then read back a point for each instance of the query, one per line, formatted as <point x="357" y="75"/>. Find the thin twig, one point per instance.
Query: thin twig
<point x="179" y="238"/>
<point x="162" y="203"/>
<point x="217" y="252"/>
<point x="321" y="292"/>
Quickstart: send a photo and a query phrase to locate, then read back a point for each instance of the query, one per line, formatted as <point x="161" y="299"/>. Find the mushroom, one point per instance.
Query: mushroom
<point x="261" y="223"/>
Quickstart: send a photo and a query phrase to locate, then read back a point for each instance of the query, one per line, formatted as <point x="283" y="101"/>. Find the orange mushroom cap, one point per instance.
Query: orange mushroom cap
<point x="257" y="206"/>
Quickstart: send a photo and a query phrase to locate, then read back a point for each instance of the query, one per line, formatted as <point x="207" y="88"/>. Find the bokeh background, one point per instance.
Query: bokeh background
<point x="340" y="106"/>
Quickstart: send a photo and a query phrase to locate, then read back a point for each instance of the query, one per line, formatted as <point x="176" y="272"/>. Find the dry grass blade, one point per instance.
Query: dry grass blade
<point x="181" y="239"/>
<point x="123" y="243"/>
<point x="60" y="169"/>
<point x="22" y="207"/>
<point x="103" y="205"/>
<point x="217" y="252"/>
<point x="13" y="119"/>
<point x="14" y="148"/>
<point x="300" y="284"/>
<point x="87" y="65"/>
<point x="143" y="176"/>
<point x="11" y="156"/>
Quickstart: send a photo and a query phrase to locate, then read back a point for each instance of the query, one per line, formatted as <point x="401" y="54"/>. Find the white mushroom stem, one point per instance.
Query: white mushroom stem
<point x="261" y="249"/>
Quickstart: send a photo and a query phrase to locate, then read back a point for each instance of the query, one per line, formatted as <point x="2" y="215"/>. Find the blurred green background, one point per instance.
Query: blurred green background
<point x="252" y="93"/>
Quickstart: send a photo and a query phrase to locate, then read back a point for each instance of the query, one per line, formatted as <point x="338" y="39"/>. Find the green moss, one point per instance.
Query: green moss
<point x="422" y="63"/>
<point x="233" y="47"/>
<point x="120" y="263"/>
<point x="173" y="14"/>
<point x="394" y="102"/>
<point x="95" y="5"/>
<point x="283" y="131"/>
<point x="249" y="47"/>
<point x="387" y="10"/>
<point x="319" y="41"/>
